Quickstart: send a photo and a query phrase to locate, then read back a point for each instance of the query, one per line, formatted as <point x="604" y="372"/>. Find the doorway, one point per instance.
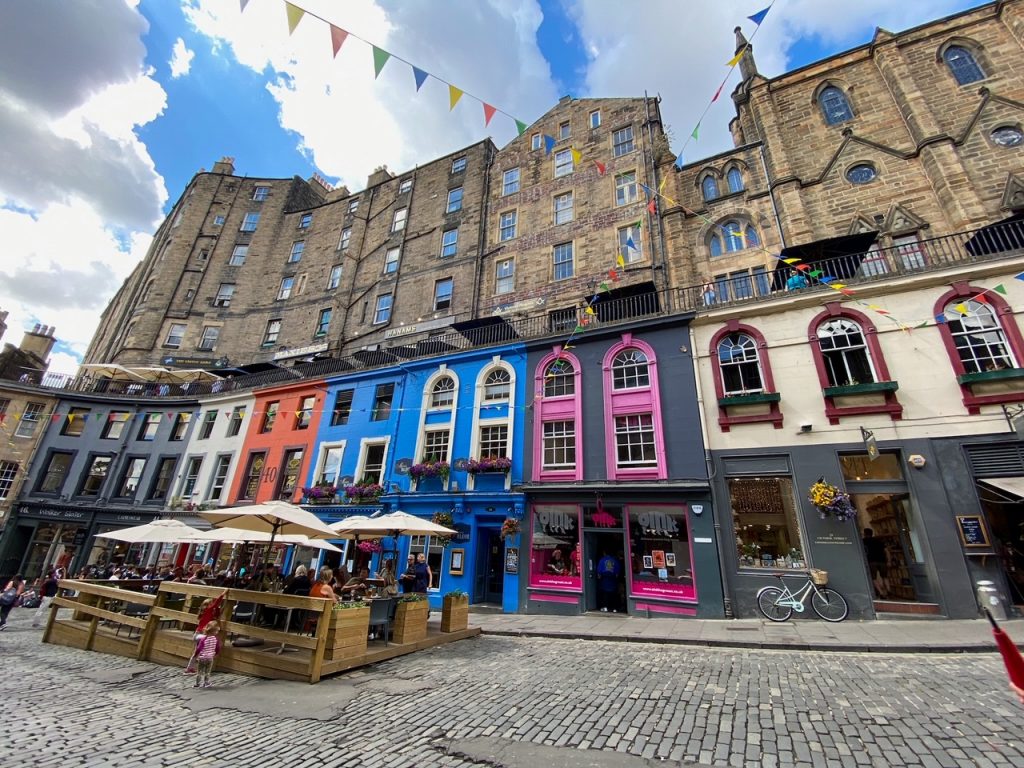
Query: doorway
<point x="604" y="583"/>
<point x="1004" y="512"/>
<point x="891" y="547"/>
<point x="489" y="577"/>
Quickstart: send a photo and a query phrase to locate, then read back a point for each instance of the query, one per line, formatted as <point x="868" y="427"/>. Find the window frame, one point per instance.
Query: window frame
<point x="459" y="165"/>
<point x="561" y="168"/>
<point x="207" y="424"/>
<point x="498" y="277"/>
<point x="180" y="426"/>
<point x="392" y="260"/>
<point x="205" y="343"/>
<point x="215" y="491"/>
<point x="272" y="332"/>
<point x="399" y="219"/>
<point x="87" y="475"/>
<point x="8" y="476"/>
<point x="168" y="343"/>
<point x="120" y="490"/>
<point x="285" y="290"/>
<point x="260" y="193"/>
<point x="383" y="401"/>
<point x="250" y="222"/>
<point x="239" y="254"/>
<point x="564" y="204"/>
<point x="189" y="476"/>
<point x="235" y="419"/>
<point x="556" y="264"/>
<point x="454" y="200"/>
<point x="121" y="418"/>
<point x="507" y="231"/>
<point x="630" y="401"/>
<point x="727" y="419"/>
<point x="628" y="191"/>
<point x="955" y="71"/>
<point x="225" y="293"/>
<point x="32" y="415"/>
<point x="594" y="124"/>
<point x="623" y="145"/>
<point x="439" y="305"/>
<point x="150" y="427"/>
<point x="298" y="248"/>
<point x="305" y="221"/>
<point x="449" y="249"/>
<point x="834" y="104"/>
<point x="46" y="472"/>
<point x="71" y="421"/>
<point x="341" y="411"/>
<point x="506" y="182"/>
<point x="155" y="492"/>
<point x="631" y="232"/>
<point x="270" y="412"/>
<point x="365" y="446"/>
<point x="323" y="322"/>
<point x="345" y="239"/>
<point x="334" y="280"/>
<point x="256" y="460"/>
<point x="383" y="308"/>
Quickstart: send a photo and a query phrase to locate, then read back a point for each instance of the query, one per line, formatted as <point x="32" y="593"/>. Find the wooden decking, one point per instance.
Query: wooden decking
<point x="159" y="627"/>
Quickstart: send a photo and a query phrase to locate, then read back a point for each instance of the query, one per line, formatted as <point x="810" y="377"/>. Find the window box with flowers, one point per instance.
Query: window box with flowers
<point x="831" y="501"/>
<point x="500" y="464"/>
<point x="430" y="475"/>
<point x="319" y="494"/>
<point x="364" y="492"/>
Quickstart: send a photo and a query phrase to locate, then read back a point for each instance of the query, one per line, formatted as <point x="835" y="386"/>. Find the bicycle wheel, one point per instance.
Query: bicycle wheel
<point x="768" y="604"/>
<point x="829" y="604"/>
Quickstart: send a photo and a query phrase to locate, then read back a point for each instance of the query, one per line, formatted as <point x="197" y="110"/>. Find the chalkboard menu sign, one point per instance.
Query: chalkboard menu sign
<point x="512" y="560"/>
<point x="972" y="531"/>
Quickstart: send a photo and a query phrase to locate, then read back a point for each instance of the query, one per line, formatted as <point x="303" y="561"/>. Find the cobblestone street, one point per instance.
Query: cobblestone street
<point x="517" y="702"/>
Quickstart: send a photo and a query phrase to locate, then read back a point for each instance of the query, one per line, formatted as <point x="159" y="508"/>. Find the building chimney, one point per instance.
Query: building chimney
<point x="225" y="165"/>
<point x="379" y="176"/>
<point x="317" y="180"/>
<point x="38" y="342"/>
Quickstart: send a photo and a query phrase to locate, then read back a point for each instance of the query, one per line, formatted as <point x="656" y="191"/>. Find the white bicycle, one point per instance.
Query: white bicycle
<point x="778" y="604"/>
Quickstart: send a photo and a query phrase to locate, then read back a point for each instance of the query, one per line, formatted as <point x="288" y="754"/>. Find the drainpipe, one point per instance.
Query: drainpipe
<point x="481" y="246"/>
<point x="771" y="195"/>
<point x="659" y="238"/>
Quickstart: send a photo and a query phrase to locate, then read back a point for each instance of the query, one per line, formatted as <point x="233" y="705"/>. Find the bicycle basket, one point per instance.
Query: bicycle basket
<point x="819" y="576"/>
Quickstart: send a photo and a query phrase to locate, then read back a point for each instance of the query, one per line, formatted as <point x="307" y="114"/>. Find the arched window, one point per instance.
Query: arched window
<point x="740" y="365"/>
<point x="629" y="370"/>
<point x="716" y="245"/>
<point x="963" y="65"/>
<point x="845" y="353"/>
<point x="709" y="187"/>
<point x="559" y="379"/>
<point x="733" y="235"/>
<point x="834" y="106"/>
<point x="497" y="385"/>
<point x="735" y="180"/>
<point x="978" y="337"/>
<point x="443" y="393"/>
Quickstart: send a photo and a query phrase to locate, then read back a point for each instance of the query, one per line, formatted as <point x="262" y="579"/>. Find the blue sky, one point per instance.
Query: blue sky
<point x="138" y="95"/>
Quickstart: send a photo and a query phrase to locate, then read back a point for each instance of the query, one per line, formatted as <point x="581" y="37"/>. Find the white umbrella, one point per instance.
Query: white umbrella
<point x="111" y="371"/>
<point x="237" y="535"/>
<point x="157" y="375"/>
<point x="394" y="524"/>
<point x="273" y="517"/>
<point x="344" y="527"/>
<point x="158" y="531"/>
<point x="196" y="374"/>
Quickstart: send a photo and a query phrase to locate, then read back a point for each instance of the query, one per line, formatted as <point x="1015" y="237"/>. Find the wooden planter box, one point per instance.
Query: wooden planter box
<point x="454" y="614"/>
<point x="346" y="634"/>
<point x="410" y="622"/>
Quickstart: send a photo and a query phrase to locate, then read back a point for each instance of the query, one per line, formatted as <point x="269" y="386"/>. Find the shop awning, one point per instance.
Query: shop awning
<point x="836" y="257"/>
<point x="1003" y="236"/>
<point x="1011" y="485"/>
<point x="373" y="357"/>
<point x="486" y="330"/>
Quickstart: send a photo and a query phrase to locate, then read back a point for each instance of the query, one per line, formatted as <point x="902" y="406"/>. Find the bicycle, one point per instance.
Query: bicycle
<point x="778" y="604"/>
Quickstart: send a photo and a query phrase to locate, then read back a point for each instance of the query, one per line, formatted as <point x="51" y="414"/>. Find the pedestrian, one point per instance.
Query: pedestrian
<point x="47" y="592"/>
<point x="609" y="570"/>
<point x="423" y="575"/>
<point x="12" y="591"/>
<point x="207" y="648"/>
<point x="408" y="578"/>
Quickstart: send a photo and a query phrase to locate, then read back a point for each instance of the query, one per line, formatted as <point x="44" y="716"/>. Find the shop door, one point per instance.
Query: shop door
<point x="891" y="547"/>
<point x="1004" y="512"/>
<point x="489" y="578"/>
<point x="604" y="592"/>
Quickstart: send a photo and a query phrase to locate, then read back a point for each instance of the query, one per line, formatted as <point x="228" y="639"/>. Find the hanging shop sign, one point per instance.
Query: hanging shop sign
<point x="525" y="305"/>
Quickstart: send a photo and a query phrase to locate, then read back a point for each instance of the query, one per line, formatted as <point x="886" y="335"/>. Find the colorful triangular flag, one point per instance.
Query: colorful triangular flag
<point x="980" y="298"/>
<point x="589" y="311"/>
<point x="679" y="161"/>
<point x="1000" y="289"/>
<point x="662" y="185"/>
<point x="338" y="36"/>
<point x="758" y="17"/>
<point x="488" y="113"/>
<point x="651" y="206"/>
<point x="791" y="261"/>
<point x="602" y="287"/>
<point x="577" y="158"/>
<point x="921" y="325"/>
<point x="601" y="168"/>
<point x="630" y="243"/>
<point x="696" y="132"/>
<point x="549" y="144"/>
<point x="295" y="15"/>
<point x="520" y="127"/>
<point x="1019" y="277"/>
<point x="620" y="261"/>
<point x="578" y="329"/>
<point x="961" y="308"/>
<point x="454" y="94"/>
<point x="816" y="273"/>
<point x="380" y="58"/>
<point x="420" y="76"/>
<point x="735" y="59"/>
<point x="613" y="275"/>
<point x="941" y="318"/>
<point x="717" y="93"/>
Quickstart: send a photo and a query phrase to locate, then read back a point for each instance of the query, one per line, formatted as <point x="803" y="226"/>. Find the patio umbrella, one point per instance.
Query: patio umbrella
<point x="394" y="524"/>
<point x="110" y="371"/>
<point x="344" y="528"/>
<point x="1012" y="658"/>
<point x="156" y="532"/>
<point x="157" y="375"/>
<point x="196" y="374"/>
<point x="237" y="535"/>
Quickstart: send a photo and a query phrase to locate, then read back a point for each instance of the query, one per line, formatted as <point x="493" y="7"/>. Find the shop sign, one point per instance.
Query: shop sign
<point x="122" y="518"/>
<point x="194" y="362"/>
<point x="832" y="538"/>
<point x="408" y="330"/>
<point x="556" y="521"/>
<point x="53" y="513"/>
<point x="657" y="523"/>
<point x="524" y="305"/>
<point x="463" y="532"/>
<point x="512" y="560"/>
<point x="311" y="349"/>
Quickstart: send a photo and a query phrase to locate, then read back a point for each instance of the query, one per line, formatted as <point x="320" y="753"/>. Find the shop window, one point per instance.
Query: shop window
<point x="558" y="416"/>
<point x="766" y="523"/>
<point x="661" y="561"/>
<point x="253" y="474"/>
<point x="555" y="537"/>
<point x="633" y="412"/>
<point x="291" y="467"/>
<point x="860" y="467"/>
<point x="52" y="478"/>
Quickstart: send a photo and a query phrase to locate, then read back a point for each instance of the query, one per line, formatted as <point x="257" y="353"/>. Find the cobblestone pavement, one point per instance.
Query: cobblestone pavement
<point x="516" y="702"/>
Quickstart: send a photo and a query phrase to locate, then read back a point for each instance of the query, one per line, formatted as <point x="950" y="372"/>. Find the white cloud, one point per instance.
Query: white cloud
<point x="181" y="59"/>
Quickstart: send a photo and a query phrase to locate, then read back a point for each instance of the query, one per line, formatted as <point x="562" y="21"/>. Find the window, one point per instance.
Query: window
<point x="188" y="486"/>
<point x="563" y="208"/>
<point x="507" y="225"/>
<point x="330" y="466"/>
<point x="345" y="239"/>
<point x="834" y="106"/>
<point x="150" y="425"/>
<point x="131" y="478"/>
<point x="220" y="477"/>
<point x="304" y="416"/>
<point x="443" y="294"/>
<point x="753" y="500"/>
<point x="286" y="288"/>
<point x="449" y="242"/>
<point x="225" y="292"/>
<point x="595" y="119"/>
<point x="454" y="200"/>
<point x="625" y="188"/>
<point x="631" y="244"/>
<point x="435" y="445"/>
<point x="291" y="467"/>
<point x="731" y="236"/>
<point x="709" y="188"/>
<point x="259" y="194"/>
<point x="269" y="416"/>
<point x="296" y="253"/>
<point x="458" y="165"/>
<point x="622" y="141"/>
<point x="979" y="338"/>
<point x="373" y="463"/>
<point x="564" y="130"/>
<point x="272" y="332"/>
<point x="238" y="256"/>
<point x="405" y="186"/>
<point x="562" y="320"/>
<point x="323" y="323"/>
<point x="218" y="221"/>
<point x="208" y="342"/>
<point x="494" y="441"/>
<point x="8" y="471"/>
<point x="399" y="219"/>
<point x="175" y="335"/>
<point x="559" y="379"/>
<point x="735" y="179"/>
<point x="443" y="393"/>
<point x="391" y="258"/>
<point x="253" y="473"/>
<point x="342" y="407"/>
<point x="305" y="220"/>
<point x="845" y="353"/>
<point x="29" y="419"/>
<point x="235" y="420"/>
<point x="963" y="65"/>
<point x="862" y="173"/>
<point x="535" y="141"/>
<point x="206" y="428"/>
<point x="203" y="254"/>
<point x="563" y="163"/>
<point x="180" y="428"/>
<point x="630" y="370"/>
<point x="75" y="421"/>
<point x="510" y="181"/>
<point x="433" y="548"/>
<point x="740" y="365"/>
<point x="250" y="222"/>
<point x="95" y="475"/>
<point x="382" y="312"/>
<point x="497" y="385"/>
<point x="52" y="480"/>
<point x="559" y="450"/>
<point x="353" y="205"/>
<point x="910" y="251"/>
<point x="114" y="428"/>
<point x="634" y="441"/>
<point x="334" y="278"/>
<point x="505" y="276"/>
<point x="382" y="399"/>
<point x="1007" y="136"/>
<point x="563" y="261"/>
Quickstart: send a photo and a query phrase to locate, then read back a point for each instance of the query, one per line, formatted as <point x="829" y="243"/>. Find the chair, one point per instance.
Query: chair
<point x="381" y="614"/>
<point x="133" y="611"/>
<point x="243" y="612"/>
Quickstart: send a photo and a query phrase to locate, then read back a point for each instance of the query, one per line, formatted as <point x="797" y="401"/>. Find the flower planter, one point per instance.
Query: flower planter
<point x="454" y="613"/>
<point x="410" y="622"/>
<point x="347" y="632"/>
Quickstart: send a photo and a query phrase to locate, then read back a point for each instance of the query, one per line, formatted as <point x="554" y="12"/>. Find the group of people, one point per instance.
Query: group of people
<point x="16" y="591"/>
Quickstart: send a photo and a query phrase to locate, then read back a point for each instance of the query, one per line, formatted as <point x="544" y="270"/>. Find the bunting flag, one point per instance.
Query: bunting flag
<point x="380" y="58"/>
<point x="420" y="76"/>
<point x="488" y="114"/>
<point x="790" y="261"/>
<point x="1019" y="277"/>
<point x="549" y="144"/>
<point x="921" y="325"/>
<point x="1000" y="289"/>
<point x="338" y="36"/>
<point x="696" y="132"/>
<point x="961" y="308"/>
<point x="652" y="207"/>
<point x="601" y="168"/>
<point x="589" y="311"/>
<point x="816" y="273"/>
<point x="520" y="127"/>
<point x="717" y="93"/>
<point x="630" y="243"/>
<point x="577" y="156"/>
<point x="679" y="161"/>
<point x="758" y="17"/>
<point x="736" y="59"/>
<point x="620" y="261"/>
<point x="602" y="287"/>
<point x="454" y="94"/>
<point x="940" y="319"/>
<point x="613" y="275"/>
<point x="295" y="15"/>
<point x="243" y="3"/>
<point x="980" y="298"/>
<point x="662" y="185"/>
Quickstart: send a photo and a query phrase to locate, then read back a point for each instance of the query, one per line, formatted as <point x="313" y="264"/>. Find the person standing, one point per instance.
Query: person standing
<point x="408" y="578"/>
<point x="12" y="591"/>
<point x="423" y="574"/>
<point x="47" y="592"/>
<point x="878" y="567"/>
<point x="609" y="570"/>
<point x="207" y="648"/>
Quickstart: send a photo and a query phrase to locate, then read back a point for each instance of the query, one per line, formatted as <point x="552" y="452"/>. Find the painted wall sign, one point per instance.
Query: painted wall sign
<point x="408" y="330"/>
<point x="51" y="513"/>
<point x="831" y="538"/>
<point x="312" y="349"/>
<point x="519" y="306"/>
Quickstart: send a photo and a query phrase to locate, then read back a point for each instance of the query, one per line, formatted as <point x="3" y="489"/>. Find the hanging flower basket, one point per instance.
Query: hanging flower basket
<point x="364" y="491"/>
<point x="445" y="519"/>
<point x="510" y="527"/>
<point x="430" y="469"/>
<point x="831" y="501"/>
<point x="490" y="464"/>
<point x="370" y="547"/>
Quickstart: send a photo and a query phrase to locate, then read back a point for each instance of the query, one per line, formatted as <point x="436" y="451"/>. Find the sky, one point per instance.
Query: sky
<point x="131" y="98"/>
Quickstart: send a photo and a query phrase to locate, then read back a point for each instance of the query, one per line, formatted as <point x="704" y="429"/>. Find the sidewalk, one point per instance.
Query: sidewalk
<point x="885" y="636"/>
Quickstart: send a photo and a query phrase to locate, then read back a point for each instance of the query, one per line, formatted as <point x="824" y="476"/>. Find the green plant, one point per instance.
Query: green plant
<point x="412" y="597"/>
<point x="349" y="605"/>
<point x="458" y="594"/>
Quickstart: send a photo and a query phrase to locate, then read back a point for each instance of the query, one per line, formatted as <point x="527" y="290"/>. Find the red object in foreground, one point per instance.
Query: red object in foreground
<point x="1011" y="655"/>
<point x="213" y="610"/>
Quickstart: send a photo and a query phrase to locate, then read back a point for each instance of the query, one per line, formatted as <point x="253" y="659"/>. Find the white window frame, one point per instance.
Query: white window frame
<point x="322" y="454"/>
<point x="508" y="223"/>
<point x="32" y="416"/>
<point x="595" y="123"/>
<point x="226" y="482"/>
<point x="564" y="163"/>
<point x="197" y="462"/>
<point x="622" y="141"/>
<point x="205" y="342"/>
<point x="238" y="256"/>
<point x="564" y="208"/>
<point x="353" y="205"/>
<point x="630" y="255"/>
<point x="271" y="336"/>
<point x="564" y="130"/>
<point x="250" y="222"/>
<point x="447" y="246"/>
<point x="642" y="430"/>
<point x="625" y="191"/>
<point x="399" y="219"/>
<point x="225" y="293"/>
<point x="501" y="281"/>
<point x="287" y="285"/>
<point x="305" y="221"/>
<point x="8" y="474"/>
<point x="566" y="437"/>
<point x="535" y="142"/>
<point x="454" y="205"/>
<point x="334" y="277"/>
<point x="180" y="335"/>
<point x="298" y="247"/>
<point x="378" y="308"/>
<point x="260" y="193"/>
<point x="510" y="182"/>
<point x="438" y="297"/>
<point x="571" y="261"/>
<point x="404" y="186"/>
<point x="392" y="257"/>
<point x="364" y="449"/>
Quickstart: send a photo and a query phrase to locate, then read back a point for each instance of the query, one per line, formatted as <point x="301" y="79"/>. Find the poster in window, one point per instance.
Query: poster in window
<point x="658" y="556"/>
<point x="648" y="562"/>
<point x="670" y="559"/>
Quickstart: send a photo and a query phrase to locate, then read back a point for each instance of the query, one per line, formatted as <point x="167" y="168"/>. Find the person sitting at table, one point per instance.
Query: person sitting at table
<point x="357" y="587"/>
<point x="299" y="583"/>
<point x="557" y="564"/>
<point x="322" y="586"/>
<point x="387" y="575"/>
